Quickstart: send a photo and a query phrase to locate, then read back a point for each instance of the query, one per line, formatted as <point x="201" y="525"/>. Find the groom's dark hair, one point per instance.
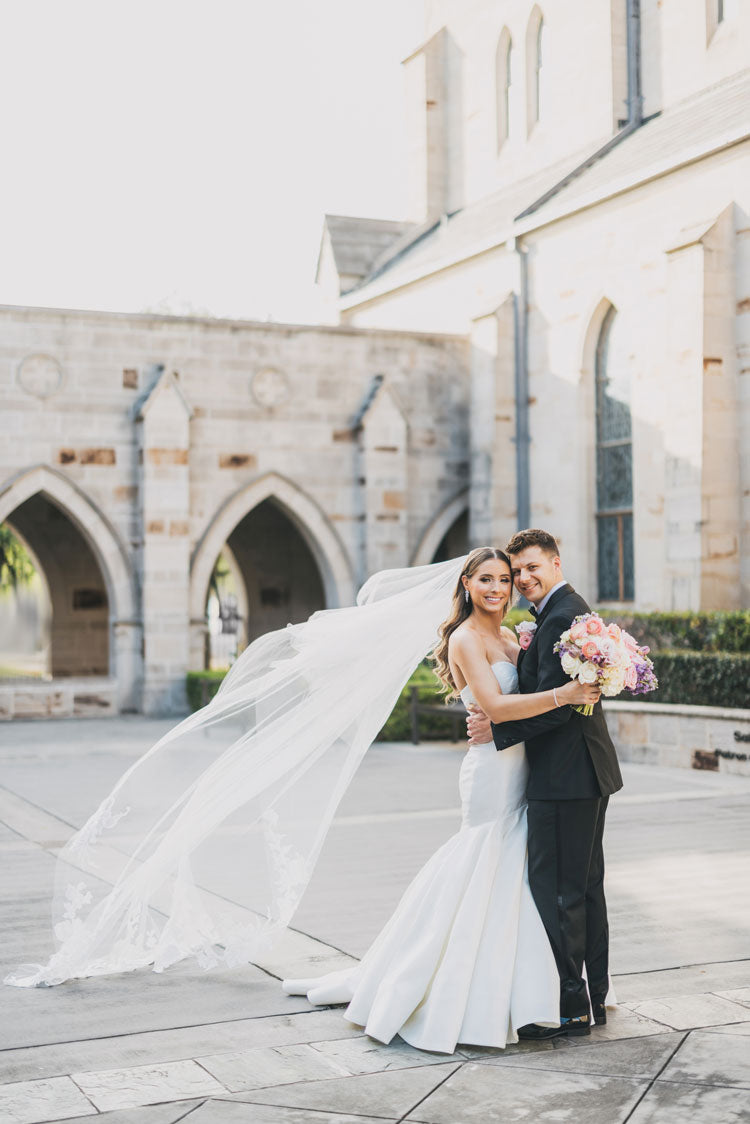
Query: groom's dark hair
<point x="532" y="536"/>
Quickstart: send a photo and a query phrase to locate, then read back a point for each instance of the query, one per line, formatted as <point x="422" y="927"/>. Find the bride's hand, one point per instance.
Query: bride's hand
<point x="577" y="694"/>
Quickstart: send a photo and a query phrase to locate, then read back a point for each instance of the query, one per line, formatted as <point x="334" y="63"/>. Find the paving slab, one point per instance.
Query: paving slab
<point x="737" y="995"/>
<point x="483" y="1053"/>
<point x="712" y="1059"/>
<point x="237" y="1112"/>
<point x="284" y="1065"/>
<point x="685" y="1012"/>
<point x="138" y="1001"/>
<point x="31" y="1102"/>
<point x="150" y="1114"/>
<point x="741" y="1030"/>
<point x="690" y="979"/>
<point x="696" y="1104"/>
<point x="490" y="1094"/>
<point x="172" y="1045"/>
<point x="634" y="1057"/>
<point x="269" y="1066"/>
<point x="391" y="1094"/>
<point x="146" y="1084"/>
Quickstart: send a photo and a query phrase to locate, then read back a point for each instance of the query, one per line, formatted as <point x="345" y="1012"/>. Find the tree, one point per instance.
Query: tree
<point x="16" y="567"/>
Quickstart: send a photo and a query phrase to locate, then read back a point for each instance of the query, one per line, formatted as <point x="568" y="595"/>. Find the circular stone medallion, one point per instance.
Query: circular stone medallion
<point x="270" y="386"/>
<point x="40" y="375"/>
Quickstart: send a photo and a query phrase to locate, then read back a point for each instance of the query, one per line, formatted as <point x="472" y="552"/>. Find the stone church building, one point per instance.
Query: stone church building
<point x="559" y="336"/>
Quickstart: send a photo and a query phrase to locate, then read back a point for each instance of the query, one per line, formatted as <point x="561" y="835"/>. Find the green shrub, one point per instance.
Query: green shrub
<point x="431" y="726"/>
<point x="724" y="631"/>
<point x="701" y="679"/>
<point x="202" y="686"/>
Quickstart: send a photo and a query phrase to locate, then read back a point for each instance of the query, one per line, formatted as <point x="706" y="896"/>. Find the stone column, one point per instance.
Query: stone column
<point x="701" y="430"/>
<point x="492" y="491"/>
<point x="383" y="443"/>
<point x="164" y="433"/>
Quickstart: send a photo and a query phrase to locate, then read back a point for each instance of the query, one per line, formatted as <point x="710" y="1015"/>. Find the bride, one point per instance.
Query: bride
<point x="207" y="843"/>
<point x="465" y="957"/>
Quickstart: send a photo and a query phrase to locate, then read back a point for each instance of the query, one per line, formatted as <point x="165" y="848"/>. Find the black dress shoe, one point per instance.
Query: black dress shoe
<point x="531" y="1032"/>
<point x="576" y="1027"/>
<point x="600" y="1013"/>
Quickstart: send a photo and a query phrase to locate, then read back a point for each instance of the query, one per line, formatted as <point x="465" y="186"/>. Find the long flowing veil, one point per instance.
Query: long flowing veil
<point x="206" y="844"/>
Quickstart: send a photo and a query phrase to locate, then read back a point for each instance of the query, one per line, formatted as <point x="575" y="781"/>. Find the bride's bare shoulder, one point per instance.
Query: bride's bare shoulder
<point x="465" y="642"/>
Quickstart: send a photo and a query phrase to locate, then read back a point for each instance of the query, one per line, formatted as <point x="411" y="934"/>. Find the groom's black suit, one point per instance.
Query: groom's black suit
<point x="573" y="770"/>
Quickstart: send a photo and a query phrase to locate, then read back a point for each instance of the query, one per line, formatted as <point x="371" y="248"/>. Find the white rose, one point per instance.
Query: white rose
<point x="565" y="636"/>
<point x="614" y="683"/>
<point x="589" y="673"/>
<point x="570" y="665"/>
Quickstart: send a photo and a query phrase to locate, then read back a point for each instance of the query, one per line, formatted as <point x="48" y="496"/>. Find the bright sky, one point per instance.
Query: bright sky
<point x="180" y="154"/>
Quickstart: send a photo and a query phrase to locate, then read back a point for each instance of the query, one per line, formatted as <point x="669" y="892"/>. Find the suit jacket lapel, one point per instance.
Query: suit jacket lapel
<point x="563" y="591"/>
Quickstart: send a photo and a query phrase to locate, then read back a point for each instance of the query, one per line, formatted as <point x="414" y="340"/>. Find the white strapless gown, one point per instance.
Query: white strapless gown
<point x="465" y="957"/>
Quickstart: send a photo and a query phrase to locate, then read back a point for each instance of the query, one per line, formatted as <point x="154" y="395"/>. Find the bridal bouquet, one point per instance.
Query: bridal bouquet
<point x="606" y="655"/>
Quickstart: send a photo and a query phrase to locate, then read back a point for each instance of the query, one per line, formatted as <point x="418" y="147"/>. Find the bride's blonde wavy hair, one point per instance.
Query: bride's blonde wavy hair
<point x="461" y="610"/>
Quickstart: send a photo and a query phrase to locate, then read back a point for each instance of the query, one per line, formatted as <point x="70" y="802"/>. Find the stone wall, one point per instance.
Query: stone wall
<point x="156" y="436"/>
<point x="710" y="738"/>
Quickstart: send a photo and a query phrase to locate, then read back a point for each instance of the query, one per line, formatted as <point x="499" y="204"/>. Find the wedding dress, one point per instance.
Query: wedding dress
<point x="465" y="957"/>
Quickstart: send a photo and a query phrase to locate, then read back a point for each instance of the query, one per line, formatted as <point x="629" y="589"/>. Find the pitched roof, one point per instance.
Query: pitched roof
<point x="456" y="236"/>
<point x="712" y="119"/>
<point x="358" y="242"/>
<point x="703" y="123"/>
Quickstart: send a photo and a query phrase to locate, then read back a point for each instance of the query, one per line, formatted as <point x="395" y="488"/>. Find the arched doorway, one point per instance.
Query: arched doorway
<point x="76" y="592"/>
<point x="25" y="610"/>
<point x="278" y="556"/>
<point x="266" y="577"/>
<point x="455" y="541"/>
<point x="446" y="535"/>
<point x="93" y="631"/>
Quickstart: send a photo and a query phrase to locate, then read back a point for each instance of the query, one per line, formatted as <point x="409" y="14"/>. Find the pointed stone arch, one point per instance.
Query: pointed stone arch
<point x="111" y="556"/>
<point x="303" y="512"/>
<point x="433" y="533"/>
<point x="592" y="330"/>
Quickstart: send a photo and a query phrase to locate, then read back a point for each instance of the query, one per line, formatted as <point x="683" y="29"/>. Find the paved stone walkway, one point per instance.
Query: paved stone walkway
<point x="227" y="1046"/>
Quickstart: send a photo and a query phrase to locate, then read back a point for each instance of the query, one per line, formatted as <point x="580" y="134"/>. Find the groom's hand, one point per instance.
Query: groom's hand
<point x="478" y="727"/>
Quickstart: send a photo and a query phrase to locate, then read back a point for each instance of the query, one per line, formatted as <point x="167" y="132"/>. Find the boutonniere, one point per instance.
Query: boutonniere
<point x="525" y="630"/>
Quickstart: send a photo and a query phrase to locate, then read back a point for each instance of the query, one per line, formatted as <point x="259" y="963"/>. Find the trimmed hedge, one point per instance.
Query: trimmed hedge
<point x="685" y="647"/>
<point x="700" y="679"/>
<point x="201" y="686"/>
<point x="431" y="726"/>
<point x="727" y="631"/>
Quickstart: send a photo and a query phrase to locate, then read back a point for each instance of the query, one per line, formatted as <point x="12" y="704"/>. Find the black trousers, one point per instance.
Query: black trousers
<point x="566" y="875"/>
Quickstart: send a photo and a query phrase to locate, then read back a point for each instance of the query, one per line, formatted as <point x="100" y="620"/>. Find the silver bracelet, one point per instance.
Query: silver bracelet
<point x="554" y="696"/>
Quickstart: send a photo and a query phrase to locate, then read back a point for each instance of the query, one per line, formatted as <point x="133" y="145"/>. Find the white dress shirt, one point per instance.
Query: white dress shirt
<point x="547" y="596"/>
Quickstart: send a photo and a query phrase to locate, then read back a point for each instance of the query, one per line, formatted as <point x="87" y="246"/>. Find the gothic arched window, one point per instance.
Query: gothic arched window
<point x="534" y="66"/>
<point x="614" y="467"/>
<point x="503" y="82"/>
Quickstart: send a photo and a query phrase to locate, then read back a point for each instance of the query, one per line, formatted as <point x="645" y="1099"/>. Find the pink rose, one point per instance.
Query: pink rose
<point x="614" y="631"/>
<point x="578" y="631"/>
<point x="590" y="650"/>
<point x="594" y="626"/>
<point x="525" y="630"/>
<point x="631" y="678"/>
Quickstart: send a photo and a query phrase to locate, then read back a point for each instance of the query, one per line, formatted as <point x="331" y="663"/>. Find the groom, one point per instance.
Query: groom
<point x="573" y="771"/>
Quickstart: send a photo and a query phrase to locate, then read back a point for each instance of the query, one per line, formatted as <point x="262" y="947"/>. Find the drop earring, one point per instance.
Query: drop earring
<point x="466" y="596"/>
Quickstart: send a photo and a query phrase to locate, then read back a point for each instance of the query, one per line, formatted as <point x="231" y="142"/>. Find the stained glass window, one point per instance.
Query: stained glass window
<point x="614" y="470"/>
